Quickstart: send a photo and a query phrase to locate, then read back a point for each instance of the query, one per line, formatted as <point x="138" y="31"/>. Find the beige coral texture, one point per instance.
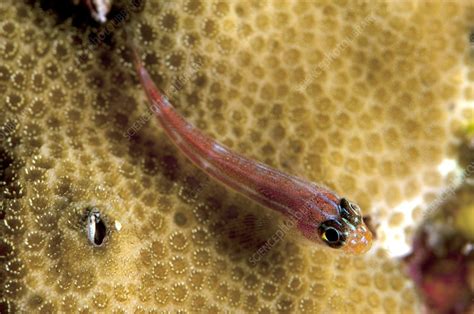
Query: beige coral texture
<point x="363" y="97"/>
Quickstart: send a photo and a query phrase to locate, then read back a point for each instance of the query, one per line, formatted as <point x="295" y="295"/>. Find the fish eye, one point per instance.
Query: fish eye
<point x="350" y="211"/>
<point x="96" y="228"/>
<point x="331" y="233"/>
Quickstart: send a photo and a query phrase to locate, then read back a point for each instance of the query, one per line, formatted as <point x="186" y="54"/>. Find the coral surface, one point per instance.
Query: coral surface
<point x="364" y="97"/>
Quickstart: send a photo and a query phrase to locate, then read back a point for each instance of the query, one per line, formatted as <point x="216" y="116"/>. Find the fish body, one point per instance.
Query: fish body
<point x="318" y="213"/>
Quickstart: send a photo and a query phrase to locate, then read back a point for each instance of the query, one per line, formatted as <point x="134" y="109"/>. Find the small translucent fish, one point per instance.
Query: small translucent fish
<point x="318" y="213"/>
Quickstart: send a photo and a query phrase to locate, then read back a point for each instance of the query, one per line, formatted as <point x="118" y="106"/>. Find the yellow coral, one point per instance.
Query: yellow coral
<point x="363" y="97"/>
<point x="465" y="220"/>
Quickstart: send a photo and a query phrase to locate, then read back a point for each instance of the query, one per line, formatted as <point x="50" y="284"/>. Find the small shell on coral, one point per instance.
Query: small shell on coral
<point x="96" y="228"/>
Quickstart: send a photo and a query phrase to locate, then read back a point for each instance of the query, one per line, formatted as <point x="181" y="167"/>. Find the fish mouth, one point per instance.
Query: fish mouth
<point x="359" y="241"/>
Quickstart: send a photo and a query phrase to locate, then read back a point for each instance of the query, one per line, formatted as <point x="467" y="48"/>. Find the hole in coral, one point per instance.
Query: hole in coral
<point x="96" y="228"/>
